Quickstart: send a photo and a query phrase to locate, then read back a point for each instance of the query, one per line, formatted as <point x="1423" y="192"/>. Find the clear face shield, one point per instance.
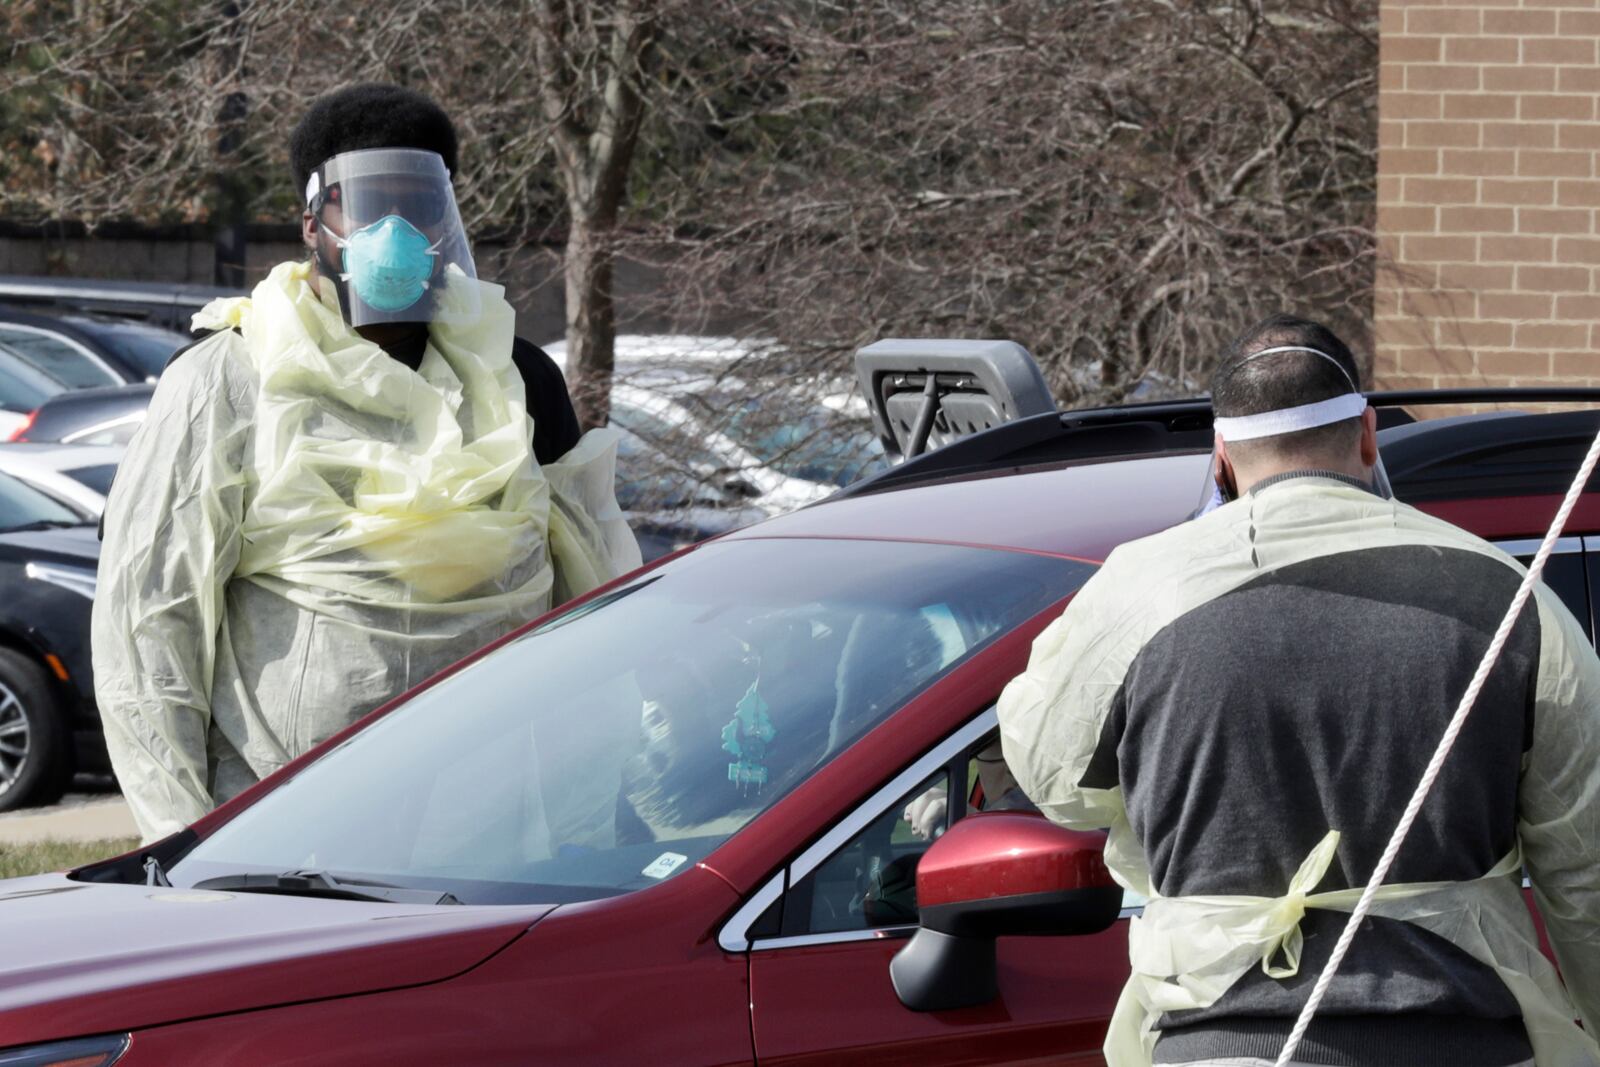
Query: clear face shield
<point x="1212" y="495"/>
<point x="390" y="238"/>
<point x="1218" y="490"/>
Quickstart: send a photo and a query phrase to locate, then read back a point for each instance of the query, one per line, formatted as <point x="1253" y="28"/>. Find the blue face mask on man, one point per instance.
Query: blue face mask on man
<point x="389" y="263"/>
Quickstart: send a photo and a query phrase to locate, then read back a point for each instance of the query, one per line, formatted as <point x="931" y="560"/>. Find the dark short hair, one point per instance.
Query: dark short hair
<point x="370" y="115"/>
<point x="1242" y="385"/>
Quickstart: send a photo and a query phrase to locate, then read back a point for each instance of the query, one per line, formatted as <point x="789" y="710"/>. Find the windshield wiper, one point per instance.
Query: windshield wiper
<point x="324" y="884"/>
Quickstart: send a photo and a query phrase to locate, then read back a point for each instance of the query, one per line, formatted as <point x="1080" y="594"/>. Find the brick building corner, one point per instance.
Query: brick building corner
<point x="1487" y="193"/>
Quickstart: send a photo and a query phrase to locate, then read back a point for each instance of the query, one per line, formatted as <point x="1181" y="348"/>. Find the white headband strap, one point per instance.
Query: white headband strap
<point x="1300" y="348"/>
<point x="1289" y="420"/>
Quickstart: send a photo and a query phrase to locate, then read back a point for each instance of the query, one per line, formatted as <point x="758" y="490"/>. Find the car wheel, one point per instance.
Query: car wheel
<point x="35" y="757"/>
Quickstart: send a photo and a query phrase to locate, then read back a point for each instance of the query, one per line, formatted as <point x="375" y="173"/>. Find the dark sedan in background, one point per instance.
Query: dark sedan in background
<point x="56" y="350"/>
<point x="49" y="727"/>
<point x="169" y="305"/>
<point x="107" y="416"/>
<point x="85" y="350"/>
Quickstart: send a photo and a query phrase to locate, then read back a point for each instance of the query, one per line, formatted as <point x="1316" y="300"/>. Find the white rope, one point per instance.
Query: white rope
<point x="1434" y="765"/>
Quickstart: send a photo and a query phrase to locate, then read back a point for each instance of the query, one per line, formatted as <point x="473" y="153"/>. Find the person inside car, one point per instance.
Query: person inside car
<point x="360" y="476"/>
<point x="1248" y="700"/>
<point x="928" y="814"/>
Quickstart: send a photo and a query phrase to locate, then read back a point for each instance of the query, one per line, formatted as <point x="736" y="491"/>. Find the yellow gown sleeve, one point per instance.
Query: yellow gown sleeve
<point x="1559" y="803"/>
<point x="171" y="542"/>
<point x="590" y="542"/>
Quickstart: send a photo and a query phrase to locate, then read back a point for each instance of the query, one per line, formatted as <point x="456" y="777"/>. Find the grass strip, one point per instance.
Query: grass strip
<point x="41" y="857"/>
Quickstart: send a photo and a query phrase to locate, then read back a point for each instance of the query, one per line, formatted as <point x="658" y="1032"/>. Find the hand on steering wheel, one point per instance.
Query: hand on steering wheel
<point x="926" y="813"/>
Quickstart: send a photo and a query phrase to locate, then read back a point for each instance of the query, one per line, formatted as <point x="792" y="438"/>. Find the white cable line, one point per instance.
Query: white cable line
<point x="1434" y="765"/>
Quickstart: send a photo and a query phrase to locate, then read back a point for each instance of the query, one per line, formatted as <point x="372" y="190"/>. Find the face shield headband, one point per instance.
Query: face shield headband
<point x="1289" y="420"/>
<point x="402" y="252"/>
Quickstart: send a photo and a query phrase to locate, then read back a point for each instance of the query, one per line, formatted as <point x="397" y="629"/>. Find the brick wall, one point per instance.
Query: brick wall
<point x="1487" y="193"/>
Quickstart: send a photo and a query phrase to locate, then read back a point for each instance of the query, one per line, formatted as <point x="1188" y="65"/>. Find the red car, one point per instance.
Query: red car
<point x="667" y="824"/>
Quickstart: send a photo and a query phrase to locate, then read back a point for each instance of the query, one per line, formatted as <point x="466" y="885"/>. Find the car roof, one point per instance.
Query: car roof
<point x="68" y="320"/>
<point x="24" y="287"/>
<point x="102" y="325"/>
<point x="1078" y="510"/>
<point x="1080" y="483"/>
<point x="668" y="347"/>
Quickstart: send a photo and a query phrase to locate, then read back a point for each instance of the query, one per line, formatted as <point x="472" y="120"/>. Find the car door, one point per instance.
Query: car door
<point x="821" y="935"/>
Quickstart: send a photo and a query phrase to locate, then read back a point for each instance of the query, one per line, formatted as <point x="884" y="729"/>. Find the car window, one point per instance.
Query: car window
<point x="144" y="347"/>
<point x="58" y="357"/>
<point x="23" y="387"/>
<point x="647" y="480"/>
<point x="870" y="881"/>
<point x="669" y="437"/>
<point x="23" y="505"/>
<point x="606" y="752"/>
<point x="798" y="438"/>
<point x="97" y="477"/>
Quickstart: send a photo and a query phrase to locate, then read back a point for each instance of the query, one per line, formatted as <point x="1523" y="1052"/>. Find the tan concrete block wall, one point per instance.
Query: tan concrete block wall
<point x="1488" y="187"/>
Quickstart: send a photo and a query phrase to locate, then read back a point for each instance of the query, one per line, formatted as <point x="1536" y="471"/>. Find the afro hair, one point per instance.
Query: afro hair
<point x="371" y="115"/>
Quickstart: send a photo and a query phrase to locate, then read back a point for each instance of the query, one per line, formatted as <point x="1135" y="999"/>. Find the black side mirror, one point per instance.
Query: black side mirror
<point x="997" y="875"/>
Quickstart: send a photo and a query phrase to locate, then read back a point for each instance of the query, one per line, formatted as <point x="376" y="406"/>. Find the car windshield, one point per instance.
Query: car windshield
<point x="626" y="739"/>
<point x="23" y="506"/>
<point x="56" y="356"/>
<point x="144" y="347"/>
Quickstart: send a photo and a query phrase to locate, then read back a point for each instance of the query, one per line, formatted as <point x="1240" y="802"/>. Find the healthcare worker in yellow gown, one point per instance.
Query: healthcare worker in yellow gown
<point x="336" y="493"/>
<point x="1247" y="701"/>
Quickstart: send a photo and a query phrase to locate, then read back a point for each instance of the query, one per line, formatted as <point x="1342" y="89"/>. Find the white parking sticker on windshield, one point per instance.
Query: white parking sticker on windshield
<point x="664" y="865"/>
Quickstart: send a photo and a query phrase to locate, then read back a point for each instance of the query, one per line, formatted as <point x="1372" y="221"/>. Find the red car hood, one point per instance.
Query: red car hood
<point x="81" y="959"/>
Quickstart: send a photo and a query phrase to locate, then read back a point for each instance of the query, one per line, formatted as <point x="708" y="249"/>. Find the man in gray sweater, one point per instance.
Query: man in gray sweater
<point x="1248" y="701"/>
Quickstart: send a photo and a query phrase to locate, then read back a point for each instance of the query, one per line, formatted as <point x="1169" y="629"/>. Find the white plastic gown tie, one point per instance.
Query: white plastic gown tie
<point x="1186" y="952"/>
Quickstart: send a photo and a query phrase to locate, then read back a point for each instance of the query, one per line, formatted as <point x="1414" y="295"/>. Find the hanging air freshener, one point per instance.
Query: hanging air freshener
<point x="746" y="738"/>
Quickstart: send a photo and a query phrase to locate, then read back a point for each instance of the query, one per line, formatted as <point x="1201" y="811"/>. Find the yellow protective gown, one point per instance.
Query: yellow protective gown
<point x="305" y="527"/>
<point x="1186" y="952"/>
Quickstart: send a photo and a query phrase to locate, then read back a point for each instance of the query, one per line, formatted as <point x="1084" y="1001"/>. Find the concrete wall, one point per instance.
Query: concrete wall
<point x="1487" y="193"/>
<point x="532" y="276"/>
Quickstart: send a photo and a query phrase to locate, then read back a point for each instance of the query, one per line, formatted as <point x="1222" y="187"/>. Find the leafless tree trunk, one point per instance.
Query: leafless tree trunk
<point x="591" y="64"/>
<point x="231" y="197"/>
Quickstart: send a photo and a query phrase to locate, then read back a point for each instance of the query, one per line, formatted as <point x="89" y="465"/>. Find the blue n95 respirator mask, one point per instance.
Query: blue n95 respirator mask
<point x="399" y="252"/>
<point x="389" y="263"/>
